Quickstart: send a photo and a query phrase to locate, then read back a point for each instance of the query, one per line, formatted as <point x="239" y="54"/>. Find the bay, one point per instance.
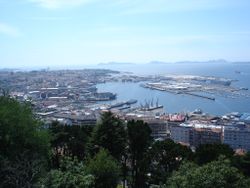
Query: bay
<point x="182" y="103"/>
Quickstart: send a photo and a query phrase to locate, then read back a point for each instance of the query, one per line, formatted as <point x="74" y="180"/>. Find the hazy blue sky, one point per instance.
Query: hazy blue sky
<point x="75" y="32"/>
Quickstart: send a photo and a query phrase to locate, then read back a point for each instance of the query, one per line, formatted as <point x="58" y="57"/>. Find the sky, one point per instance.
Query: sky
<point x="37" y="33"/>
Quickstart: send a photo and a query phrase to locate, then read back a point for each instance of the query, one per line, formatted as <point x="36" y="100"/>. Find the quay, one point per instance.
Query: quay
<point x="197" y="95"/>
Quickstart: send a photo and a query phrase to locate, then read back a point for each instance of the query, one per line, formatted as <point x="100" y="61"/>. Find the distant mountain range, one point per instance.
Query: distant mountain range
<point x="210" y="61"/>
<point x="113" y="63"/>
<point x="178" y="62"/>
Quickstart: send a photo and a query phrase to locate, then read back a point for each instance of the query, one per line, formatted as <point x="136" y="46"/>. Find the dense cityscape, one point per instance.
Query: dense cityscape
<point x="71" y="97"/>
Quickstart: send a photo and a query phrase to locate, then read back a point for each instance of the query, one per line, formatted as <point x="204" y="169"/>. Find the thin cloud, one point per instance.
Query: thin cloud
<point x="9" y="30"/>
<point x="142" y="6"/>
<point x="57" y="4"/>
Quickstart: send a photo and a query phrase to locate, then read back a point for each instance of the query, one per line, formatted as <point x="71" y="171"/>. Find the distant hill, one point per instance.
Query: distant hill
<point x="242" y="62"/>
<point x="178" y="62"/>
<point x="182" y="62"/>
<point x="210" y="61"/>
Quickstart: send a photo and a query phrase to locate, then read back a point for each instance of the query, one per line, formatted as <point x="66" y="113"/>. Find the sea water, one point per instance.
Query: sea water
<point x="183" y="103"/>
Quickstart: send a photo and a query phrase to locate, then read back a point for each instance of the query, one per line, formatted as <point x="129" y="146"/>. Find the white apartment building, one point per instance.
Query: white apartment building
<point x="237" y="137"/>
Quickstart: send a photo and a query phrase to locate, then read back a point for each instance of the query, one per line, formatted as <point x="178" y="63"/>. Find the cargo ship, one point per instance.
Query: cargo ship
<point x="150" y="107"/>
<point x="121" y="104"/>
<point x="131" y="101"/>
<point x="104" y="96"/>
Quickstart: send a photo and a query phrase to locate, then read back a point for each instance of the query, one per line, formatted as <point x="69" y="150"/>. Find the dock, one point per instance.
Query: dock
<point x="197" y="95"/>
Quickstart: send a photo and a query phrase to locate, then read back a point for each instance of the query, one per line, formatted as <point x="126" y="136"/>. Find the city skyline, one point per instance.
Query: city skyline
<point x="37" y="33"/>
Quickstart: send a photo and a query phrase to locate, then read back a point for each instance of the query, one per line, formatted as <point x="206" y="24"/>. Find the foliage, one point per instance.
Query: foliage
<point x="71" y="174"/>
<point x="19" y="131"/>
<point x="139" y="141"/>
<point x="109" y="134"/>
<point x="242" y="163"/>
<point x="210" y="152"/>
<point x="166" y="156"/>
<point x="24" y="145"/>
<point x="23" y="171"/>
<point x="105" y="169"/>
<point x="216" y="174"/>
<point x="68" y="141"/>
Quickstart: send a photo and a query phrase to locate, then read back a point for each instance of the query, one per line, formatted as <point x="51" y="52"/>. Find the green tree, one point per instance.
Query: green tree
<point x="68" y="141"/>
<point x="210" y="152"/>
<point x="139" y="141"/>
<point x="109" y="134"/>
<point x="166" y="156"/>
<point x="24" y="145"/>
<point x="59" y="140"/>
<point x="242" y="163"/>
<point x="23" y="171"/>
<point x="71" y="174"/>
<point x="105" y="169"/>
<point x="78" y="140"/>
<point x="216" y="174"/>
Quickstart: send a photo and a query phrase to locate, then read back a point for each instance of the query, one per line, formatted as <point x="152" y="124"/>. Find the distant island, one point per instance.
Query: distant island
<point x="210" y="61"/>
<point x="155" y="62"/>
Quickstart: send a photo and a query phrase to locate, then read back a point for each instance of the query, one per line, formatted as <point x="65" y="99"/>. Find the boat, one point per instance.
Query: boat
<point x="244" y="88"/>
<point x="150" y="107"/>
<point x="97" y="99"/>
<point x="119" y="104"/>
<point x="155" y="107"/>
<point x="104" y="96"/>
<point x="131" y="101"/>
<point x="124" y="108"/>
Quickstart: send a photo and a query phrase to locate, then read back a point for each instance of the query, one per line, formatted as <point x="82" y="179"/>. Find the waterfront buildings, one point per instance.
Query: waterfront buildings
<point x="181" y="133"/>
<point x="159" y="129"/>
<point x="194" y="134"/>
<point x="238" y="137"/>
<point x="206" y="135"/>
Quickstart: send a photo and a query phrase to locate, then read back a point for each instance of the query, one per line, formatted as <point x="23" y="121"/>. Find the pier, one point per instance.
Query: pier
<point x="197" y="95"/>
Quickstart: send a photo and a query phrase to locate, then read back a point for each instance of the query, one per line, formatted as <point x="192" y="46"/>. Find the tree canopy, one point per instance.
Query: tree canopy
<point x="109" y="134"/>
<point x="166" y="156"/>
<point x="24" y="145"/>
<point x="69" y="141"/>
<point x="139" y="142"/>
<point x="70" y="174"/>
<point x="19" y="130"/>
<point x="242" y="162"/>
<point x="216" y="174"/>
<point x="105" y="169"/>
<point x="210" y="152"/>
